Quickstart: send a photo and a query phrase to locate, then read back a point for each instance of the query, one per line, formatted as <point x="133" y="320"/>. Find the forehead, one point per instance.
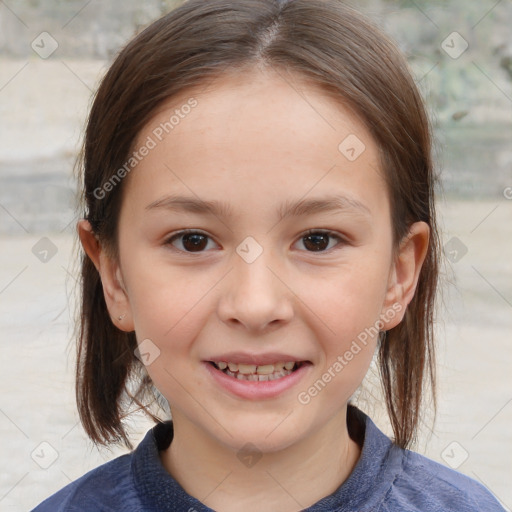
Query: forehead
<point x="272" y="131"/>
<point x="257" y="95"/>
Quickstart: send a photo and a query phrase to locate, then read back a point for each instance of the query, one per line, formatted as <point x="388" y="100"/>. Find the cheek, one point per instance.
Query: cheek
<point x="349" y="304"/>
<point x="165" y="300"/>
<point x="170" y="312"/>
<point x="352" y="297"/>
<point x="348" y="336"/>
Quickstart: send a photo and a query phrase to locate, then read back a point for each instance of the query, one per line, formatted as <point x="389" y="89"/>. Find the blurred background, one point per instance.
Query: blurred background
<point x="52" y="56"/>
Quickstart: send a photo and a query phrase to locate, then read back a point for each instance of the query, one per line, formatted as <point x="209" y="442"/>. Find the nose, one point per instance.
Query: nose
<point x="255" y="295"/>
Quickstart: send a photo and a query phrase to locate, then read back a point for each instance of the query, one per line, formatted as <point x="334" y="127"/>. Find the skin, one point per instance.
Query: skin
<point x="256" y="141"/>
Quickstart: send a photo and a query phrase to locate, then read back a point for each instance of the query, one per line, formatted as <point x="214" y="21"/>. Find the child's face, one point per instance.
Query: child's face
<point x="253" y="286"/>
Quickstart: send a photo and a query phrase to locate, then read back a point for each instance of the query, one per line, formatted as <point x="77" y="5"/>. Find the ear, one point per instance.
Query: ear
<point x="404" y="274"/>
<point x="114" y="289"/>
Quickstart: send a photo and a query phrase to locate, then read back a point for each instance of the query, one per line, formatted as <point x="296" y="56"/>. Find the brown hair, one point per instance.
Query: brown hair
<point x="335" y="49"/>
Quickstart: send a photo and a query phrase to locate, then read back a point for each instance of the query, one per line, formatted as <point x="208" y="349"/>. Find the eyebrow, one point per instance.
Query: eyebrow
<point x="297" y="208"/>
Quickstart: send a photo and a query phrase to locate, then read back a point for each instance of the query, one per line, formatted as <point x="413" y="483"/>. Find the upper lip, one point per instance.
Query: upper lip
<point x="257" y="359"/>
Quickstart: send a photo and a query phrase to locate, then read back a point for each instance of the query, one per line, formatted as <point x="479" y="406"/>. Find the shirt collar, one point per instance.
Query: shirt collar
<point x="379" y="463"/>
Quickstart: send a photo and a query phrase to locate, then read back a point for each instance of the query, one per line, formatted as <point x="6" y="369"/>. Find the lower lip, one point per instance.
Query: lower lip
<point x="257" y="390"/>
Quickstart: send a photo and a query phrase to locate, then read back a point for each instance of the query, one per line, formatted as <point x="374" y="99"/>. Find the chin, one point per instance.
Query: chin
<point x="263" y="434"/>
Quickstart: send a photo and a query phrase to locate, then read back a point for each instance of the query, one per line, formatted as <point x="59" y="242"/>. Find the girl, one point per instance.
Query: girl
<point x="259" y="221"/>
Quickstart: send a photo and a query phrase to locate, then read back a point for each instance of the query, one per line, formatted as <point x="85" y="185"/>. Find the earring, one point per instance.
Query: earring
<point x="121" y="317"/>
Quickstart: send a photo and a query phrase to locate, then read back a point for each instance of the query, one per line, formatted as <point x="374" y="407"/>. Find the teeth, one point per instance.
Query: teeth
<point x="261" y="378"/>
<point x="246" y="369"/>
<point x="249" y="369"/>
<point x="266" y="369"/>
<point x="254" y="372"/>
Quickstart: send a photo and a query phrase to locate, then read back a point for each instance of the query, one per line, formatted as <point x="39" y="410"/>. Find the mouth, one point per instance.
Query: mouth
<point x="260" y="373"/>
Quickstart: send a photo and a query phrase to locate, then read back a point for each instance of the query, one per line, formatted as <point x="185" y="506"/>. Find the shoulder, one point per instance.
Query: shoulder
<point x="424" y="484"/>
<point x="129" y="483"/>
<point x="389" y="478"/>
<point x="108" y="487"/>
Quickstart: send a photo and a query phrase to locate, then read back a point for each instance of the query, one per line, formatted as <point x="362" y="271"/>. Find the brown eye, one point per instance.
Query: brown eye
<point x="319" y="241"/>
<point x="191" y="241"/>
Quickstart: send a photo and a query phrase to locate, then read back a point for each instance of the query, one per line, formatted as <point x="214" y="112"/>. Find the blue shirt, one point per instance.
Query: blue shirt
<point x="386" y="479"/>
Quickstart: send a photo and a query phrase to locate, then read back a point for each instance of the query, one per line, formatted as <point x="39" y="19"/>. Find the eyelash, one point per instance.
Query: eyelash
<point x="310" y="232"/>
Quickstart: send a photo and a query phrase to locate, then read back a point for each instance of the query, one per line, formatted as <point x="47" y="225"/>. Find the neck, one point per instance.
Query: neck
<point x="288" y="480"/>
